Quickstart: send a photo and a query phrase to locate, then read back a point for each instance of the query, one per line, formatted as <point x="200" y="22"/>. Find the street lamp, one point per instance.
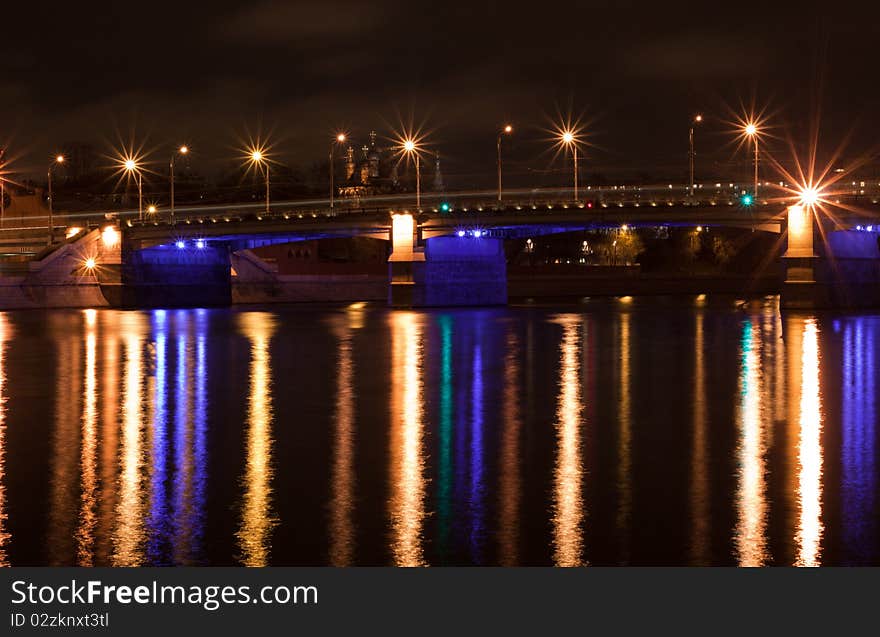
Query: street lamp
<point x="410" y="148"/>
<point x="568" y="139"/>
<point x="691" y="155"/>
<point x="258" y="158"/>
<point x="59" y="159"/>
<point x="751" y="130"/>
<point x="183" y="150"/>
<point x="340" y="138"/>
<point x="507" y="130"/>
<point x="131" y="167"/>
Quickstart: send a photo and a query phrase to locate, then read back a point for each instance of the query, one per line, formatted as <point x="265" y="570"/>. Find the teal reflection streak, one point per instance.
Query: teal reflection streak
<point x="444" y="470"/>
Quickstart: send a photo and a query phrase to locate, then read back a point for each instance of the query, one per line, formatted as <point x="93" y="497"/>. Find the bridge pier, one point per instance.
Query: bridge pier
<point x="828" y="267"/>
<point x="196" y="274"/>
<point x="466" y="269"/>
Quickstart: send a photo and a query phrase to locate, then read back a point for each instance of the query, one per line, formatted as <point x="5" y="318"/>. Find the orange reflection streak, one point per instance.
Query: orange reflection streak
<point x="407" y="507"/>
<point x="128" y="544"/>
<point x="810" y="526"/>
<point x="109" y="428"/>
<point x="568" y="500"/>
<point x="5" y="536"/>
<point x="700" y="455"/>
<point x="257" y="518"/>
<point x="85" y="534"/>
<point x="750" y="535"/>
<point x="342" y="535"/>
<point x="509" y="492"/>
<point x="65" y="463"/>
<point x="624" y="443"/>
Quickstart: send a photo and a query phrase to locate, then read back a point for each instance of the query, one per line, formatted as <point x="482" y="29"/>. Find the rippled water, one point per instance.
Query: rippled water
<point x="619" y="431"/>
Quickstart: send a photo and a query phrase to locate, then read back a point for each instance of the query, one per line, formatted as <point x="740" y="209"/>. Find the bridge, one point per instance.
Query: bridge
<point x="434" y="259"/>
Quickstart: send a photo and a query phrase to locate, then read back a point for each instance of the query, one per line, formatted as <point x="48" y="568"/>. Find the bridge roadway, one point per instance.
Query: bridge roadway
<point x="510" y="221"/>
<point x="524" y="212"/>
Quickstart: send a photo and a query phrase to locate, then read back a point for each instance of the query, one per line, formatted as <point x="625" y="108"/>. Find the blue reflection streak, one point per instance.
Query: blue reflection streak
<point x="201" y="425"/>
<point x="477" y="499"/>
<point x="859" y="479"/>
<point x="181" y="426"/>
<point x="157" y="521"/>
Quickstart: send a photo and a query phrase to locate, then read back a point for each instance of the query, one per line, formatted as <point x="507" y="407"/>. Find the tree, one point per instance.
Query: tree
<point x="723" y="249"/>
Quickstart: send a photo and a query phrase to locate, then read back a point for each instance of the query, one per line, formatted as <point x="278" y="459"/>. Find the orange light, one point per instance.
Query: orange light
<point x="151" y="209"/>
<point x="409" y="145"/>
<point x="340" y="137"/>
<point x="90" y="263"/>
<point x="110" y="236"/>
<point x="59" y="159"/>
<point x="508" y="129"/>
<point x="567" y="137"/>
<point x="698" y="119"/>
<point x="257" y="156"/>
<point x="751" y="129"/>
<point x="809" y="196"/>
<point x="130" y="164"/>
<point x="183" y="150"/>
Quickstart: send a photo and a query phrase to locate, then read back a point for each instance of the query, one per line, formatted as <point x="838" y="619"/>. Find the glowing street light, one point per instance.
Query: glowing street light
<point x="751" y="130"/>
<point x="131" y="166"/>
<point x="257" y="157"/>
<point x="697" y="119"/>
<point x="809" y="196"/>
<point x="183" y="150"/>
<point x="59" y="159"/>
<point x="507" y="130"/>
<point x="339" y="139"/>
<point x="411" y="148"/>
<point x="151" y="209"/>
<point x="568" y="138"/>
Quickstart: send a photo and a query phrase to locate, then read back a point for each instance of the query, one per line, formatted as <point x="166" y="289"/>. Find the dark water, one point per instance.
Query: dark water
<point x="620" y="431"/>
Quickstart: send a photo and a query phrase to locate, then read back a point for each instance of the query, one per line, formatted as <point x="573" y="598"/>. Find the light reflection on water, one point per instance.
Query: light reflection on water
<point x="257" y="516"/>
<point x="568" y="474"/>
<point x="360" y="435"/>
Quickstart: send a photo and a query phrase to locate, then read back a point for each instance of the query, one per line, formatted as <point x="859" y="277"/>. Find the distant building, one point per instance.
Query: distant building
<point x="374" y="170"/>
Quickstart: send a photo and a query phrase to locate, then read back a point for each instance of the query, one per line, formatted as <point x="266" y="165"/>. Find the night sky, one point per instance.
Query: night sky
<point x="209" y="74"/>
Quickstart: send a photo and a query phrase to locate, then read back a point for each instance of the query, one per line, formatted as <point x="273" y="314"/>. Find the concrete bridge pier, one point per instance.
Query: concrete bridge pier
<point x="465" y="269"/>
<point x="185" y="274"/>
<point x="828" y="267"/>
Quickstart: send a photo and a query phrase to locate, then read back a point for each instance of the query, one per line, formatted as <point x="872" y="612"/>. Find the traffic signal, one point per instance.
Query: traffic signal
<point x="445" y="206"/>
<point x="746" y="200"/>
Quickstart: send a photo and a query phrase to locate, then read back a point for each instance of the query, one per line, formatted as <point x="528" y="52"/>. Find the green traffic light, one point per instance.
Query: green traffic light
<point x="445" y="207"/>
<point x="746" y="200"/>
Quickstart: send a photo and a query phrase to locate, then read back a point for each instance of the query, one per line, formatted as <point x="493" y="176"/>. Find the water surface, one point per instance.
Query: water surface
<point x="617" y="431"/>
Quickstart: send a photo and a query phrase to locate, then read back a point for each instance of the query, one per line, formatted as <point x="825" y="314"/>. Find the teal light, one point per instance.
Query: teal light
<point x="445" y="207"/>
<point x="746" y="200"/>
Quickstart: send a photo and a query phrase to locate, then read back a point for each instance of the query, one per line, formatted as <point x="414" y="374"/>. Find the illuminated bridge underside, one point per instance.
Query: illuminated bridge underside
<point x="250" y="232"/>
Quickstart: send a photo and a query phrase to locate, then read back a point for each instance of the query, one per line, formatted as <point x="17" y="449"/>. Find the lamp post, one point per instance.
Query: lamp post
<point x="569" y="140"/>
<point x="410" y="148"/>
<point x="59" y="159"/>
<point x="691" y="154"/>
<point x="751" y="130"/>
<point x="183" y="150"/>
<point x="507" y="130"/>
<point x="131" y="167"/>
<point x="258" y="158"/>
<point x="340" y="138"/>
